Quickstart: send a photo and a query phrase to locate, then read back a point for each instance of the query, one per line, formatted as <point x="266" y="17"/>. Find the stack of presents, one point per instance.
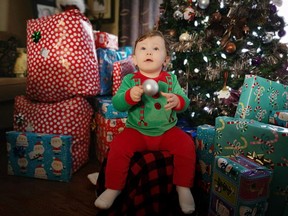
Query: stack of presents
<point x="69" y="66"/>
<point x="243" y="160"/>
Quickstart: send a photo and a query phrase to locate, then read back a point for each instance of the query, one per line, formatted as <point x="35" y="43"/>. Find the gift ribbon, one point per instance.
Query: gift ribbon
<point x="260" y="159"/>
<point x="36" y="36"/>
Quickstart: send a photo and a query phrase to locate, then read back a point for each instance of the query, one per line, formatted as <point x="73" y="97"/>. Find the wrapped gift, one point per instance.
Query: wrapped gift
<point x="279" y="117"/>
<point x="68" y="117"/>
<point x="62" y="61"/>
<point x="127" y="49"/>
<point x="120" y="69"/>
<point x="106" y="40"/>
<point x="105" y="131"/>
<point x="264" y="143"/>
<point x="106" y="58"/>
<point x="260" y="96"/>
<point x="205" y="155"/>
<point x="239" y="185"/>
<point x="105" y="107"/>
<point x="44" y="156"/>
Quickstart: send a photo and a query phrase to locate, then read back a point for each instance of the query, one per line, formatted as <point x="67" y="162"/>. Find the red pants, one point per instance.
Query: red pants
<point x="124" y="145"/>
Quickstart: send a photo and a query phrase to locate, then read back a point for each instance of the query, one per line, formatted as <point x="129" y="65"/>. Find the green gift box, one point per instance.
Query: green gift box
<point x="259" y="96"/>
<point x="205" y="155"/>
<point x="241" y="185"/>
<point x="264" y="143"/>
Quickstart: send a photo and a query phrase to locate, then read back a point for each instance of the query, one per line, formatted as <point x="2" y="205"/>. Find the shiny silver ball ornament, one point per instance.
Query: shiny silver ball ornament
<point x="203" y="4"/>
<point x="150" y="87"/>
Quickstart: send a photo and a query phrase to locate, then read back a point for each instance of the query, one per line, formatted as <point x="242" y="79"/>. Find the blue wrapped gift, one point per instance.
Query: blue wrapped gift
<point x="105" y="107"/>
<point x="43" y="156"/>
<point x="106" y="58"/>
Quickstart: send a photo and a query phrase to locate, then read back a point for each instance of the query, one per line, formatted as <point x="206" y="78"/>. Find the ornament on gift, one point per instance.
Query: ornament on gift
<point x="189" y="14"/>
<point x="203" y="4"/>
<point x="150" y="87"/>
<point x="184" y="37"/>
<point x="230" y="47"/>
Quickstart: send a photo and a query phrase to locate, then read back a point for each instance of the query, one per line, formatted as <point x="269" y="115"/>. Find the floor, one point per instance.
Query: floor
<point x="24" y="196"/>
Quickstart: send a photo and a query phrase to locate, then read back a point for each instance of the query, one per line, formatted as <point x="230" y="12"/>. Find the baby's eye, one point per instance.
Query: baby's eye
<point x="156" y="48"/>
<point x="142" y="48"/>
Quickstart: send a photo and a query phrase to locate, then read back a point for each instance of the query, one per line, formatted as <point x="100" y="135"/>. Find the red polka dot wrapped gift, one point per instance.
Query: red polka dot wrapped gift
<point x="62" y="60"/>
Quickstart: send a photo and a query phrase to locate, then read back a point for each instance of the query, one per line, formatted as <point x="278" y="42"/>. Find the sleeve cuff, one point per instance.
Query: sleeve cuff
<point x="181" y="104"/>
<point x="129" y="99"/>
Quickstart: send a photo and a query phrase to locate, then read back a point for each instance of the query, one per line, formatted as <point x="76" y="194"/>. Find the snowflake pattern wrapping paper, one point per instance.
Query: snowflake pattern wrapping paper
<point x="68" y="117"/>
<point x="62" y="60"/>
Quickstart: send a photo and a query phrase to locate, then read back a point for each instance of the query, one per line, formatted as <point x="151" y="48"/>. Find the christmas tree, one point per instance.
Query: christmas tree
<point x="216" y="43"/>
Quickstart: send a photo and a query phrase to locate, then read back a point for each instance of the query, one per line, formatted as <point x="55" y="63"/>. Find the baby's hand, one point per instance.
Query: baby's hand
<point x="136" y="93"/>
<point x="172" y="100"/>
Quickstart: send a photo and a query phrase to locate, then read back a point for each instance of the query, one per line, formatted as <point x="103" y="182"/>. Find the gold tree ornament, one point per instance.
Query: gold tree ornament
<point x="230" y="47"/>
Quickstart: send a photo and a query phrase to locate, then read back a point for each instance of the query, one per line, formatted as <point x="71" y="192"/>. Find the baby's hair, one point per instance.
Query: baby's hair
<point x="153" y="34"/>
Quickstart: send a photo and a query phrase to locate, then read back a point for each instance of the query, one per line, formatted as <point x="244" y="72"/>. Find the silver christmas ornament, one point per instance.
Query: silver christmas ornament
<point x="178" y="15"/>
<point x="150" y="87"/>
<point x="203" y="4"/>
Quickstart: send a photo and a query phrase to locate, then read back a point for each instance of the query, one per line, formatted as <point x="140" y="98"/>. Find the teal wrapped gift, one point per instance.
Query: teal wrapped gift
<point x="260" y="96"/>
<point x="264" y="143"/>
<point x="239" y="186"/>
<point x="205" y="155"/>
<point x="43" y="156"/>
<point x="105" y="107"/>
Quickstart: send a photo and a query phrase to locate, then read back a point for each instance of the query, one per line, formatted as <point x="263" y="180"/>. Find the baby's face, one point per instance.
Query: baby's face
<point x="150" y="55"/>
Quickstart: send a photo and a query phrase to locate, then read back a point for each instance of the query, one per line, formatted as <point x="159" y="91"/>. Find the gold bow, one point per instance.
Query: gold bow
<point x="260" y="159"/>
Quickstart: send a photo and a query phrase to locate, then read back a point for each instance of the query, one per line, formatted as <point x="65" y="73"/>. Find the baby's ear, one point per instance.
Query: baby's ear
<point x="167" y="60"/>
<point x="134" y="60"/>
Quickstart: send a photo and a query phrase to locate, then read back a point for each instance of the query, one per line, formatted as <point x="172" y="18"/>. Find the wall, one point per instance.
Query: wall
<point x="15" y="13"/>
<point x="13" y="17"/>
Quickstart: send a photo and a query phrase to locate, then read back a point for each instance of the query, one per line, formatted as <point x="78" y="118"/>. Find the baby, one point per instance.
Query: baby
<point x="151" y="123"/>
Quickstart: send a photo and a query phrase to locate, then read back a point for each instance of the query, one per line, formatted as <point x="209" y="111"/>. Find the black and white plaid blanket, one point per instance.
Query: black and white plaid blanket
<point x="149" y="189"/>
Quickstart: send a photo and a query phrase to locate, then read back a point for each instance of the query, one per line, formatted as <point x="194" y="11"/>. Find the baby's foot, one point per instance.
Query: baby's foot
<point x="106" y="199"/>
<point x="186" y="200"/>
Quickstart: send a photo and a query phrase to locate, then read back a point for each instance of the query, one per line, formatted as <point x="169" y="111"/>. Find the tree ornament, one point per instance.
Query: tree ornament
<point x="230" y="47"/>
<point x="178" y="15"/>
<point x="281" y="33"/>
<point x="224" y="92"/>
<point x="267" y="38"/>
<point x="216" y="17"/>
<point x="150" y="87"/>
<point x="256" y="61"/>
<point x="277" y="2"/>
<point x="246" y="29"/>
<point x="272" y="9"/>
<point x="184" y="37"/>
<point x="189" y="13"/>
<point x="203" y="4"/>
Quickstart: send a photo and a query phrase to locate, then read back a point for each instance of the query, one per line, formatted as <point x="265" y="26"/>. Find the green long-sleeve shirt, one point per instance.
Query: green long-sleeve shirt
<point x="149" y="115"/>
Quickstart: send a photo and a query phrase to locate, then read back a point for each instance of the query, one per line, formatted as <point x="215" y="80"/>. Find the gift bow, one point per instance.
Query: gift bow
<point x="36" y="36"/>
<point x="260" y="159"/>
